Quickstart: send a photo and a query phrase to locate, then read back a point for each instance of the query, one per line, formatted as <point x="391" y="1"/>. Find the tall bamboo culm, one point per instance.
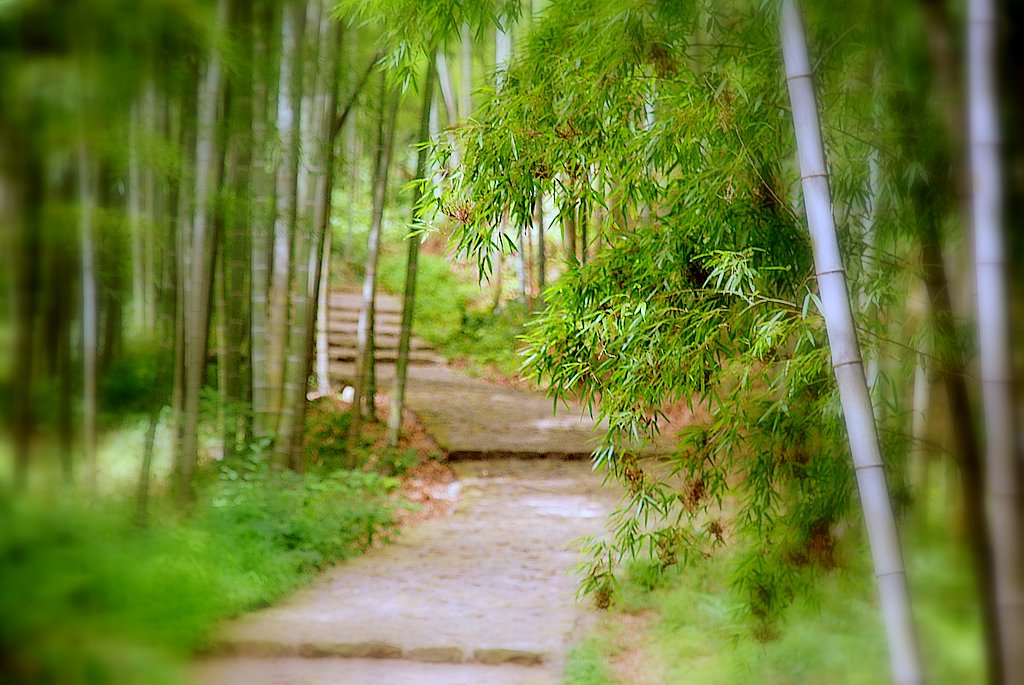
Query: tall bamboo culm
<point x="1002" y="467"/>
<point x="411" y="264"/>
<point x="846" y="361"/>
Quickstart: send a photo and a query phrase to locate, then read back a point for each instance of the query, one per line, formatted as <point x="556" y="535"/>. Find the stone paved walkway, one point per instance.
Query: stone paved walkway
<point x="483" y="596"/>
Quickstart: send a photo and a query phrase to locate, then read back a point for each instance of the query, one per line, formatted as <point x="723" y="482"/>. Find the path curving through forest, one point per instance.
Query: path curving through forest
<point x="483" y="596"/>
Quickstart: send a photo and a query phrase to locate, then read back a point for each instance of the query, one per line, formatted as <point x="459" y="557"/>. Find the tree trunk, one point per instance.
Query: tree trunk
<point x="952" y="371"/>
<point x="90" y="318"/>
<point x="198" y="262"/>
<point x="846" y="362"/>
<point x="264" y="202"/>
<point x="24" y="287"/>
<point x="412" y="260"/>
<point x="135" y="228"/>
<point x="568" y="219"/>
<point x="325" y="192"/>
<point x="289" y="114"/>
<point x="315" y="132"/>
<point x="323" y="350"/>
<point x="541" y="246"/>
<point x="466" y="72"/>
<point x="365" y="347"/>
<point x="1003" y="468"/>
<point x="444" y="75"/>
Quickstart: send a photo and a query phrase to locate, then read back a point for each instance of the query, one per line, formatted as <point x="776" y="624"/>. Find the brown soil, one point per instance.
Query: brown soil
<point x="429" y="486"/>
<point x="633" y="662"/>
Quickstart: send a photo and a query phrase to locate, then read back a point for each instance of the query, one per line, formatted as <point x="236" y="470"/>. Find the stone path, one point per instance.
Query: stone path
<point x="482" y="596"/>
<point x="469" y="418"/>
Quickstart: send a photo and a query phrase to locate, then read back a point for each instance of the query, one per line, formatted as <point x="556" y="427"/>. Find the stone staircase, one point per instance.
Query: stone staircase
<point x="342" y="329"/>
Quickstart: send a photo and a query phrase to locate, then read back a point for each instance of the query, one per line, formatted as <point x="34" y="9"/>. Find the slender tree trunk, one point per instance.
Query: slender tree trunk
<point x="466" y="72"/>
<point x="65" y="423"/>
<point x="264" y="202"/>
<point x="447" y="87"/>
<point x="26" y="199"/>
<point x="135" y="226"/>
<point x="198" y="260"/>
<point x="365" y="346"/>
<point x="90" y="314"/>
<point x="846" y="362"/>
<point x="568" y="219"/>
<point x="289" y="114"/>
<point x="919" y="457"/>
<point x="952" y="371"/>
<point x="236" y="249"/>
<point x="541" y="245"/>
<point x="307" y="243"/>
<point x="325" y="191"/>
<point x="156" y="115"/>
<point x="1003" y="468"/>
<point x="412" y="260"/>
<point x="583" y="229"/>
<point x="142" y="491"/>
<point x="323" y="350"/>
<point x="180" y="229"/>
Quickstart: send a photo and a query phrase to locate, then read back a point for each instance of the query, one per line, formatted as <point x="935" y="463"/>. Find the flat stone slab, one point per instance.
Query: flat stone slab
<point x="328" y="671"/>
<point x="471" y="418"/>
<point x="486" y="585"/>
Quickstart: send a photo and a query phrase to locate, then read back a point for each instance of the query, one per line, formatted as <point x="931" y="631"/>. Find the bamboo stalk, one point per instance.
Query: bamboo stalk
<point x="1003" y="469"/>
<point x="846" y="362"/>
<point x="412" y="260"/>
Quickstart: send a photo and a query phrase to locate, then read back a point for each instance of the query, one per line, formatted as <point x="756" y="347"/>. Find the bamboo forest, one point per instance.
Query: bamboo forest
<point x="511" y="342"/>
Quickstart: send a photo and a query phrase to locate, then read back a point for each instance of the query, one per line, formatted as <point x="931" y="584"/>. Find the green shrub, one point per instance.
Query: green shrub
<point x="491" y="338"/>
<point x="585" y="665"/>
<point x="88" y="598"/>
<point x="441" y="296"/>
<point x="326" y="432"/>
<point x="134" y="380"/>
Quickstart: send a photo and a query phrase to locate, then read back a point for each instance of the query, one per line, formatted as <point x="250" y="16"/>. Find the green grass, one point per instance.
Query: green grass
<point x="831" y="634"/>
<point x="451" y="314"/>
<point x="584" y="664"/>
<point x="87" y="597"/>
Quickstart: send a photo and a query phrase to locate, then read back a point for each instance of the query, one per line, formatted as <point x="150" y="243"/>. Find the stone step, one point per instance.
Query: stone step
<point x="347" y="316"/>
<point x="386" y="355"/>
<point x="353" y="301"/>
<point x="486" y="585"/>
<point x="349" y="327"/>
<point x="383" y="340"/>
<point x="376" y="649"/>
<point x="345" y="372"/>
<point x="336" y="671"/>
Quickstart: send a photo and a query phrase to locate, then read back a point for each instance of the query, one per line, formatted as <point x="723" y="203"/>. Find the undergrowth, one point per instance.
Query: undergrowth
<point x="831" y="633"/>
<point x="88" y="597"/>
<point x="451" y="314"/>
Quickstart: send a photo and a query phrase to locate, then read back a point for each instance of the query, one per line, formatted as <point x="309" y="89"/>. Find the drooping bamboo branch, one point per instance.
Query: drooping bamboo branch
<point x="846" y="361"/>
